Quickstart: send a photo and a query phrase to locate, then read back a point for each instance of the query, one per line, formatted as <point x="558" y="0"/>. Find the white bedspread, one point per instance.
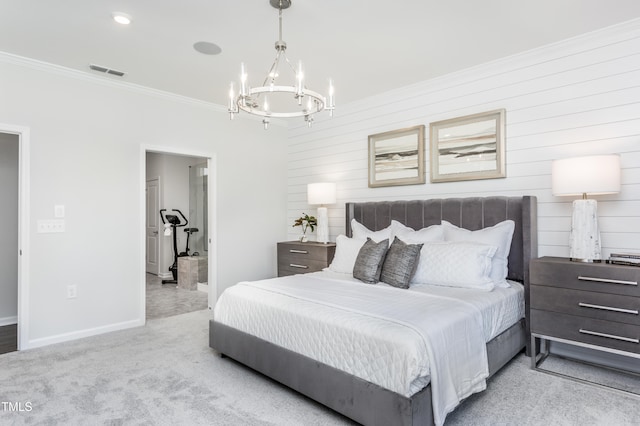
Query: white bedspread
<point x="390" y="337"/>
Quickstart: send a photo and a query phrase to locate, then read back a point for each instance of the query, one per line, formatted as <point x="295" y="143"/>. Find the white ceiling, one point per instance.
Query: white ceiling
<point x="365" y="46"/>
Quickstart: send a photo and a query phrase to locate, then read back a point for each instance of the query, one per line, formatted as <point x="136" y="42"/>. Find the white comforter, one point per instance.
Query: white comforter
<point x="394" y="338"/>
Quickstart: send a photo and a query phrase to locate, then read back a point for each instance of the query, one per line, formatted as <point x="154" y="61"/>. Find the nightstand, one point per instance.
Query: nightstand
<point x="295" y="257"/>
<point x="593" y="305"/>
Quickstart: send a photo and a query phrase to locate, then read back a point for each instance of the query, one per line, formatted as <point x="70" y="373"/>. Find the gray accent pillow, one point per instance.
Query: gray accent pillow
<point x="400" y="263"/>
<point x="369" y="261"/>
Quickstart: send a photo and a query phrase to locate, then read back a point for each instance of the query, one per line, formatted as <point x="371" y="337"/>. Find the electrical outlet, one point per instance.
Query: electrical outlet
<point x="72" y="291"/>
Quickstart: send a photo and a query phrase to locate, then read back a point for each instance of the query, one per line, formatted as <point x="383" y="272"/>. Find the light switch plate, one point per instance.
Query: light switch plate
<point x="50" y="226"/>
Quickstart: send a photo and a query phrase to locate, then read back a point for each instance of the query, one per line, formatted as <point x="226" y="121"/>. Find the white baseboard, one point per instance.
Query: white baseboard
<point x="165" y="275"/>
<point x="8" y="321"/>
<point x="65" y="337"/>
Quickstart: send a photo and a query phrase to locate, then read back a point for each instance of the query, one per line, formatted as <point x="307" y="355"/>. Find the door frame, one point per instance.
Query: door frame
<point x="23" y="134"/>
<point x="212" y="216"/>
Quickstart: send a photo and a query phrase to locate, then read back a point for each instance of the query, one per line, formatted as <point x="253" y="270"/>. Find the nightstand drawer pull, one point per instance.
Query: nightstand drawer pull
<point x="606" y="280"/>
<point x="293" y="265"/>
<point x="610" y="336"/>
<point x="298" y="251"/>
<point x="608" y="308"/>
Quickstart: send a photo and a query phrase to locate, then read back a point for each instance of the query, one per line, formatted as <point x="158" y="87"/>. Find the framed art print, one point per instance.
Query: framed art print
<point x="468" y="148"/>
<point x="397" y="157"/>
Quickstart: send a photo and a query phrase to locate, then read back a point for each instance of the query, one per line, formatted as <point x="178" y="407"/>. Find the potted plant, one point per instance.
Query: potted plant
<point x="307" y="222"/>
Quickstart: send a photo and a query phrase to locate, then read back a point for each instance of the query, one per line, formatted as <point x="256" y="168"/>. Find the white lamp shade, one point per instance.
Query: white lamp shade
<point x="321" y="193"/>
<point x="594" y="174"/>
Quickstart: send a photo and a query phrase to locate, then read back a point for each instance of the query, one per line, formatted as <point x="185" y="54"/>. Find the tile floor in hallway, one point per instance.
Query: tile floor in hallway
<point x="166" y="300"/>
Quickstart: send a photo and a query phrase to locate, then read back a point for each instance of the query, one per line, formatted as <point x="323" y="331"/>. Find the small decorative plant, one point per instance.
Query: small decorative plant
<point x="306" y="222"/>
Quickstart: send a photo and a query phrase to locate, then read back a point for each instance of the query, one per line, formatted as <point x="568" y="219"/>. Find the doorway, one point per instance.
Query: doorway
<point x="9" y="172"/>
<point x="14" y="215"/>
<point x="180" y="181"/>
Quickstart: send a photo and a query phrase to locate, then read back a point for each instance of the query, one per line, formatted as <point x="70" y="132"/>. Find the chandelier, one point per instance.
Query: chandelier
<point x="274" y="99"/>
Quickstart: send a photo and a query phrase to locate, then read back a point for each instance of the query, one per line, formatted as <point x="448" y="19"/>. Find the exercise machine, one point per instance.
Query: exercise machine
<point x="188" y="231"/>
<point x="174" y="223"/>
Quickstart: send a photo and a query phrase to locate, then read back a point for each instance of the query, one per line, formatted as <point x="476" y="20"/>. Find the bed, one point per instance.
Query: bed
<point x="366" y="401"/>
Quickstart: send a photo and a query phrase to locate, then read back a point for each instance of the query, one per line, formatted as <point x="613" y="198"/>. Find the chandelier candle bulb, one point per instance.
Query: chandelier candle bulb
<point x="243" y="81"/>
<point x="300" y="79"/>
<point x="331" y="99"/>
<point x="232" y="105"/>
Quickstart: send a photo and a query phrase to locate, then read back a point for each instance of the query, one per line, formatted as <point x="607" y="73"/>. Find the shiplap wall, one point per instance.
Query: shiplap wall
<point x="577" y="97"/>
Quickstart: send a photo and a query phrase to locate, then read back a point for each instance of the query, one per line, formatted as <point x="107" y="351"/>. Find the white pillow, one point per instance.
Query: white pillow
<point x="455" y="264"/>
<point x="347" y="250"/>
<point x="424" y="235"/>
<point x="499" y="235"/>
<point x="361" y="232"/>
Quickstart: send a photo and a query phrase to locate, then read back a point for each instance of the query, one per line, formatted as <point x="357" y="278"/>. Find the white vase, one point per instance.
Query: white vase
<point x="303" y="238"/>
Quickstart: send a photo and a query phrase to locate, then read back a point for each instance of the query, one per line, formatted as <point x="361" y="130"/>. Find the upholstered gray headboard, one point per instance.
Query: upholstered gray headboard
<point x="470" y="213"/>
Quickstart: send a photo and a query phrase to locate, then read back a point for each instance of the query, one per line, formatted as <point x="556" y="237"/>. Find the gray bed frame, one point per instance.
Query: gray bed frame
<point x="356" y="398"/>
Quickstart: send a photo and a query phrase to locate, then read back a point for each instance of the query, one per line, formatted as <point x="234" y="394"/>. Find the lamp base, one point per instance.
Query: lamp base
<point x="323" y="225"/>
<point x="584" y="240"/>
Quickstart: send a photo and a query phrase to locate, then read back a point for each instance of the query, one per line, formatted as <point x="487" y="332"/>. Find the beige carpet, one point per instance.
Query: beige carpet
<point x="165" y="374"/>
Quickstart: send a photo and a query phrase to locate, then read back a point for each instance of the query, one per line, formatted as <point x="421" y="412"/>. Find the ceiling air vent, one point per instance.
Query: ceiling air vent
<point x="106" y="70"/>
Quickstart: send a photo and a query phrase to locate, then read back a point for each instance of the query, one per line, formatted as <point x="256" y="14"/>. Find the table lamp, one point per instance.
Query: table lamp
<point x="590" y="175"/>
<point x="321" y="194"/>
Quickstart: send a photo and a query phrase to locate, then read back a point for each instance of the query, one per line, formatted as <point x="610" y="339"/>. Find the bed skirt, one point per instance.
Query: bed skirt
<point x="358" y="399"/>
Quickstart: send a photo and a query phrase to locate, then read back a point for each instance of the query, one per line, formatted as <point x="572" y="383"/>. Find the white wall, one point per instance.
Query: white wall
<point x="86" y="138"/>
<point x="9" y="149"/>
<point x="577" y="97"/>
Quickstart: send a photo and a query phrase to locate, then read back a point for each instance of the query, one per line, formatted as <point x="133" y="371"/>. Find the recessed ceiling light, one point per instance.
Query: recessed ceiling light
<point x="121" y="18"/>
<point x="207" y="48"/>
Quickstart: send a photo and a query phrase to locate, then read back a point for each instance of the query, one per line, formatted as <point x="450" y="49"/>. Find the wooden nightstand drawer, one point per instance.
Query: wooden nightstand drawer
<point x="609" y="334"/>
<point x="292" y="268"/>
<point x="610" y="307"/>
<point x="598" y="277"/>
<point x="303" y="251"/>
<point x="295" y="257"/>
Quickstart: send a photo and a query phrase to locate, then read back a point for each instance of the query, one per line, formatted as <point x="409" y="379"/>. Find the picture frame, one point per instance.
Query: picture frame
<point x="468" y="148"/>
<point x="397" y="157"/>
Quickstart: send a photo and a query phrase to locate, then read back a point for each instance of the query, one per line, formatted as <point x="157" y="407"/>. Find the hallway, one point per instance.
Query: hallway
<point x="8" y="338"/>
<point x="168" y="300"/>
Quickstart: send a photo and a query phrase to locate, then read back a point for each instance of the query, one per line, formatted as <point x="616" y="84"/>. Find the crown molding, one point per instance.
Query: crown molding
<point x="34" y="64"/>
<point x="47" y="67"/>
